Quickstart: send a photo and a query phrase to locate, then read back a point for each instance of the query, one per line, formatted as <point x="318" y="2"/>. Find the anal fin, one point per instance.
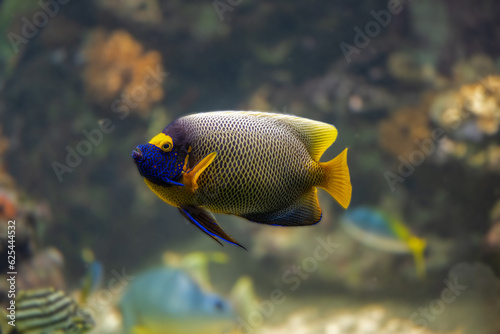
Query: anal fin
<point x="205" y="221"/>
<point x="305" y="211"/>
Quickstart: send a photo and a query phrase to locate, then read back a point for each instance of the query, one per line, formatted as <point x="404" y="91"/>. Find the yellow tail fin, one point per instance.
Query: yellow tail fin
<point x="337" y="180"/>
<point x="417" y="247"/>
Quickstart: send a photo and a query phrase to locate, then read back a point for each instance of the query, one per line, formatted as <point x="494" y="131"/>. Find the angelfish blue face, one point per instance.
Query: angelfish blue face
<point x="158" y="166"/>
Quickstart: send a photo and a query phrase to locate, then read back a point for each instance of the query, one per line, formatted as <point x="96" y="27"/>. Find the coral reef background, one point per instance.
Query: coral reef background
<point x="417" y="101"/>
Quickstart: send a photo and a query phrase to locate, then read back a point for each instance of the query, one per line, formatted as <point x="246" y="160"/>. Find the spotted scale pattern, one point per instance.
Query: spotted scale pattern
<point x="262" y="166"/>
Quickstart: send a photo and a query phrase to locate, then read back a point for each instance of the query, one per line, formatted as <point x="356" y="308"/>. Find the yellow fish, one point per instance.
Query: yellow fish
<point x="260" y="166"/>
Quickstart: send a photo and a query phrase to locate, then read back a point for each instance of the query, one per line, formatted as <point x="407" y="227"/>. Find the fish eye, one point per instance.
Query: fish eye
<point x="219" y="306"/>
<point x="167" y="146"/>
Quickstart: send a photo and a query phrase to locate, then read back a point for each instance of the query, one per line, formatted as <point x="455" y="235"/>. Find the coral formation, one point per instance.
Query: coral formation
<point x="409" y="68"/>
<point x="478" y="102"/>
<point x="470" y="116"/>
<point x="432" y="67"/>
<point x="119" y="68"/>
<point x="471" y="69"/>
<point x="401" y="134"/>
<point x="8" y="206"/>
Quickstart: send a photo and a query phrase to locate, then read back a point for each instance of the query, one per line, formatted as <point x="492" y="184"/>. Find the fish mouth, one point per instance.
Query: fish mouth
<point x="137" y="155"/>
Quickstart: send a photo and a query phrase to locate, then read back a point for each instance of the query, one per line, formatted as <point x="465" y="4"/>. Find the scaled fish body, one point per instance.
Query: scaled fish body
<point x="260" y="166"/>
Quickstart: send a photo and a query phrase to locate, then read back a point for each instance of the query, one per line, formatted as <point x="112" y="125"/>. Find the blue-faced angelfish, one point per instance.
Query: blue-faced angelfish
<point x="383" y="231"/>
<point x="168" y="301"/>
<point x="260" y="166"/>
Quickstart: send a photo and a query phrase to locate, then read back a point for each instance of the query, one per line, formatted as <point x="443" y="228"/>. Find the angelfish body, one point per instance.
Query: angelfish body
<point x="260" y="166"/>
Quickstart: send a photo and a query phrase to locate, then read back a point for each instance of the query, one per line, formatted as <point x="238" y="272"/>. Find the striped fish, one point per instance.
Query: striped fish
<point x="46" y="311"/>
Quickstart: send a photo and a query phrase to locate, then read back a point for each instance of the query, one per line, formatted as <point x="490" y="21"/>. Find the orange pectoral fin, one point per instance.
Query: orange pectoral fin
<point x="190" y="178"/>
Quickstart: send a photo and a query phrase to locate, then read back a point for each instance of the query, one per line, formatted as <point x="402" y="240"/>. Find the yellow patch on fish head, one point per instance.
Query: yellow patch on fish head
<point x="163" y="142"/>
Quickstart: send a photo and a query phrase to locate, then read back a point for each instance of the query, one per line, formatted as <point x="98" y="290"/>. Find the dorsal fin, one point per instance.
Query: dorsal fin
<point x="316" y="136"/>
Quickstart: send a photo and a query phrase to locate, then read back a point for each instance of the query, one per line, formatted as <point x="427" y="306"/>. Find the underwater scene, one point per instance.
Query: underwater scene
<point x="250" y="167"/>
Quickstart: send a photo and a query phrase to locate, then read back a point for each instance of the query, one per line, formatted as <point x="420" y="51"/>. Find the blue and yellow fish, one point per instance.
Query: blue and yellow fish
<point x="168" y="301"/>
<point x="382" y="231"/>
<point x="94" y="276"/>
<point x="260" y="166"/>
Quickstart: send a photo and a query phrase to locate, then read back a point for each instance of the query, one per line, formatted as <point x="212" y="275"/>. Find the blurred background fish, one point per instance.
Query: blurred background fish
<point x="168" y="301"/>
<point x="49" y="311"/>
<point x="93" y="277"/>
<point x="375" y="228"/>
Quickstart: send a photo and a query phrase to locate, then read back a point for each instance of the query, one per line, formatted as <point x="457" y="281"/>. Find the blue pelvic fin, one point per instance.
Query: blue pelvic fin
<point x="173" y="183"/>
<point x="163" y="181"/>
<point x="204" y="220"/>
